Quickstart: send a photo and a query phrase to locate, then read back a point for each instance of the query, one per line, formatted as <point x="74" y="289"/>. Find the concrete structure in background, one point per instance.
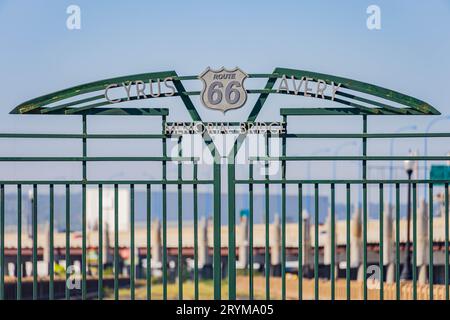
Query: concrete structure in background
<point x="204" y="258"/>
<point x="156" y="250"/>
<point x="356" y="243"/>
<point x="275" y="246"/>
<point x="108" y="208"/>
<point x="422" y="242"/>
<point x="327" y="244"/>
<point x="46" y="247"/>
<point x="11" y="269"/>
<point x="206" y="243"/>
<point x="243" y="243"/>
<point x="306" y="241"/>
<point x="388" y="243"/>
<point x="108" y="257"/>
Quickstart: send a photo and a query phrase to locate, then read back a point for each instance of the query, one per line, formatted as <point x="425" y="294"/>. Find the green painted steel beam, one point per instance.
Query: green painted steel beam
<point x="149" y="242"/>
<point x="110" y="111"/>
<point x="347" y="158"/>
<point x="100" y="243"/>
<point x="106" y="182"/>
<point x="83" y="215"/>
<point x="211" y="182"/>
<point x="362" y="87"/>
<point x="447" y="251"/>
<point x="346" y="111"/>
<point x="34" y="223"/>
<point x="364" y="135"/>
<point x="69" y="104"/>
<point x="67" y="236"/>
<point x="300" y="242"/>
<point x="347" y="241"/>
<point x="19" y="243"/>
<point x="79" y="136"/>
<point x="180" y="222"/>
<point x="329" y="181"/>
<point x="51" y="270"/>
<point x="2" y="242"/>
<point x="113" y="111"/>
<point x="364" y="207"/>
<point x="195" y="209"/>
<point x="231" y="227"/>
<point x="58" y="159"/>
<point x="384" y="107"/>
<point x="160" y="136"/>
<point x="36" y="103"/>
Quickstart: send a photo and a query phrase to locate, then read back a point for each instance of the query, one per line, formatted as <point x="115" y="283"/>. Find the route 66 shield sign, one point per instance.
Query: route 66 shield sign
<point x="223" y="89"/>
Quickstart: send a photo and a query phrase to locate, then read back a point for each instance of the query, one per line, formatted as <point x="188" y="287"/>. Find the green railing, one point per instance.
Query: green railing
<point x="251" y="182"/>
<point x="84" y="159"/>
<point x="348" y="183"/>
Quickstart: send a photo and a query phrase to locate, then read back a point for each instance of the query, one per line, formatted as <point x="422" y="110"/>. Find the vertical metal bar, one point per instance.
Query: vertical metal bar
<point x="333" y="241"/>
<point x="431" y="240"/>
<point x="267" y="226"/>
<point x="35" y="239"/>
<point x="447" y="293"/>
<point x="381" y="244"/>
<point x="164" y="213"/>
<point x="300" y="242"/>
<point x="132" y="245"/>
<point x="231" y="226"/>
<point x="19" y="242"/>
<point x="414" y="263"/>
<point x="316" y="241"/>
<point x="397" y="240"/>
<point x="364" y="174"/>
<point x="347" y="243"/>
<point x="365" y="241"/>
<point x="149" y="244"/>
<point x="116" y="242"/>
<point x="195" y="191"/>
<point x="250" y="235"/>
<point x="100" y="242"/>
<point x="2" y="242"/>
<point x="283" y="217"/>
<point x="217" y="227"/>
<point x="51" y="289"/>
<point x="67" y="240"/>
<point x="83" y="244"/>
<point x="83" y="212"/>
<point x="180" y="224"/>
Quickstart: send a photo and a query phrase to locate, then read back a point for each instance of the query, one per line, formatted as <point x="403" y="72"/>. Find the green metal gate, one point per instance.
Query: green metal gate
<point x="355" y="103"/>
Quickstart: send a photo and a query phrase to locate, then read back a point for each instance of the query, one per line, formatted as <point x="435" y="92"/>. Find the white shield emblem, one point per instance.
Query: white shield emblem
<point x="223" y="89"/>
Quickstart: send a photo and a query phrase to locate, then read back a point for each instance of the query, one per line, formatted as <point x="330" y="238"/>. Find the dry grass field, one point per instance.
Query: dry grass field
<point x="356" y="290"/>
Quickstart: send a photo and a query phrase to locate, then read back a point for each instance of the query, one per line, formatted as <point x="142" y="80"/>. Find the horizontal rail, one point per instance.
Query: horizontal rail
<point x="328" y="181"/>
<point x="345" y="111"/>
<point x="366" y="135"/>
<point x="161" y="136"/>
<point x="57" y="159"/>
<point x="80" y="136"/>
<point x="347" y="158"/>
<point x="104" y="182"/>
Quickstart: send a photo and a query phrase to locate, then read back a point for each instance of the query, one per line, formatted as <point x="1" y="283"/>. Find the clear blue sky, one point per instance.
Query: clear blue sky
<point x="39" y="55"/>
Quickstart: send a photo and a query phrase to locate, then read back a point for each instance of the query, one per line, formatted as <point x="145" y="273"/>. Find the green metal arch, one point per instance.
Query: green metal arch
<point x="411" y="105"/>
<point x="33" y="104"/>
<point x="363" y="87"/>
